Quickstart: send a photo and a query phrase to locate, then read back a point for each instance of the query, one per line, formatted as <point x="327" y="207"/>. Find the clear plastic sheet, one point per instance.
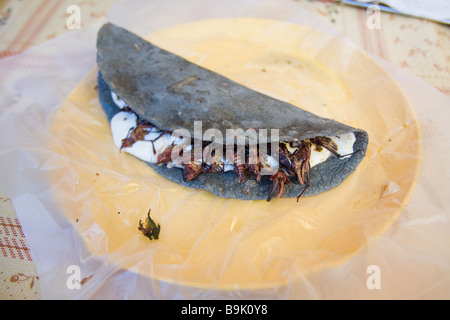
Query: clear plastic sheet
<point x="381" y="234"/>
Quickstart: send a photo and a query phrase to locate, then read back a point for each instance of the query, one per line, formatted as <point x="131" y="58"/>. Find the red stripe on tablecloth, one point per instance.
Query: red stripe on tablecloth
<point x="381" y="44"/>
<point x="41" y="25"/>
<point x="10" y="248"/>
<point x="12" y="240"/>
<point x="10" y="49"/>
<point x="21" y="39"/>
<point x="375" y="44"/>
<point x="10" y="226"/>
<point x="362" y="18"/>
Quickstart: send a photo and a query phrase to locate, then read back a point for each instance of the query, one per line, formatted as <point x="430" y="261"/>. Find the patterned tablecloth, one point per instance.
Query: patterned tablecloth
<point x="417" y="45"/>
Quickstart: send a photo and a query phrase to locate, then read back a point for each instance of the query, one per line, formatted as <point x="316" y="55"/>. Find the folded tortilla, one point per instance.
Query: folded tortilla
<point x="172" y="93"/>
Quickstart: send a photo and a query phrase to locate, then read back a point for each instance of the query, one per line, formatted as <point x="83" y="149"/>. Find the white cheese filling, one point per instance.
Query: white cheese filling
<point x="148" y="149"/>
<point x="155" y="142"/>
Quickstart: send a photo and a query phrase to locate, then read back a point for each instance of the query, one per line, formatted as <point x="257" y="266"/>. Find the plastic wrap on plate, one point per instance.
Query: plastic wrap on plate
<point x="80" y="199"/>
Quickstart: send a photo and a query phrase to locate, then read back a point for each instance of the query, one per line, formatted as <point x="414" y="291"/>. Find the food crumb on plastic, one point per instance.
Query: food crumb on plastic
<point x="388" y="188"/>
<point x="84" y="280"/>
<point x="152" y="229"/>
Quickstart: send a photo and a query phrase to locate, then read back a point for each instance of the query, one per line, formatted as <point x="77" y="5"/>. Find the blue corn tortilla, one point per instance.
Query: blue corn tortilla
<point x="172" y="93"/>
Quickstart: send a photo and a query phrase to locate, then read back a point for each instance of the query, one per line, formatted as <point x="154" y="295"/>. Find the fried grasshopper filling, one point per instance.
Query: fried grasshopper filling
<point x="149" y="143"/>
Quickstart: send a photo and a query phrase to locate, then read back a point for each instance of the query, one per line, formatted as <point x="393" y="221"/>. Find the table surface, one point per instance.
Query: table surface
<point x="417" y="45"/>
